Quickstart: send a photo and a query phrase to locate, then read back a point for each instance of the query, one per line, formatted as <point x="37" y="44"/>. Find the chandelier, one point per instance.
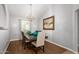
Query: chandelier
<point x="30" y="17"/>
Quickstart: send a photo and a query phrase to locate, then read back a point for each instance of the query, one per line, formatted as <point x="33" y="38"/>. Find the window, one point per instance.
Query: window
<point x="25" y="25"/>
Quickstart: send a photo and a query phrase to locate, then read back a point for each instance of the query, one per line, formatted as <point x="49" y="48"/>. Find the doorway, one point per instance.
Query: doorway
<point x="77" y="29"/>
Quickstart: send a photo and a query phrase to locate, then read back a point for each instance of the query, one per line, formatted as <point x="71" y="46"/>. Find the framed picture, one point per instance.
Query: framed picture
<point x="48" y="23"/>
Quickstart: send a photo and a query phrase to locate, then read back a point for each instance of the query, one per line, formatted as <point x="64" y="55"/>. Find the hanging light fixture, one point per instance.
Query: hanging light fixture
<point x="30" y="17"/>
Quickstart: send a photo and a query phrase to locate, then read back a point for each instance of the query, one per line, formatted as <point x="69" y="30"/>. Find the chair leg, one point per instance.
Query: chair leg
<point x="43" y="49"/>
<point x="24" y="45"/>
<point x="36" y="51"/>
<point x="27" y="45"/>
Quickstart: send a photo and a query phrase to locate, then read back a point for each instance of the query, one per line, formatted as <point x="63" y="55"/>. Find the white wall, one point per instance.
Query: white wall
<point x="3" y="40"/>
<point x="63" y="33"/>
<point x="4" y="33"/>
<point x="48" y="13"/>
<point x="64" y="26"/>
<point x="2" y="16"/>
<point x="34" y="25"/>
<point x="15" y="28"/>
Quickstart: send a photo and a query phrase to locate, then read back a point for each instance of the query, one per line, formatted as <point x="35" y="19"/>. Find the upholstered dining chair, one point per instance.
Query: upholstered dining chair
<point x="24" y="40"/>
<point x="39" y="42"/>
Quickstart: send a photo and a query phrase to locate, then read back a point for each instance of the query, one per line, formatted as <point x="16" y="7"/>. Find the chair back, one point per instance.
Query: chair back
<point x="23" y="37"/>
<point x="40" y="39"/>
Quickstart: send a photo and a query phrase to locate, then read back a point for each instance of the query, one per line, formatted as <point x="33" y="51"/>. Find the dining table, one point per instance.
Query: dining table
<point x="30" y="38"/>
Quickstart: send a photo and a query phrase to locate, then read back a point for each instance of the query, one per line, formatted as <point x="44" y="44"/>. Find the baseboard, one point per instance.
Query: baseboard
<point x="6" y="47"/>
<point x="62" y="46"/>
<point x="14" y="39"/>
<point x="46" y="40"/>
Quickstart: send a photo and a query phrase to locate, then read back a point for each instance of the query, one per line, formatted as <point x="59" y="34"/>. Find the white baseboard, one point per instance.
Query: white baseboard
<point x="8" y="44"/>
<point x="6" y="47"/>
<point x="46" y="40"/>
<point x="14" y="39"/>
<point x="62" y="46"/>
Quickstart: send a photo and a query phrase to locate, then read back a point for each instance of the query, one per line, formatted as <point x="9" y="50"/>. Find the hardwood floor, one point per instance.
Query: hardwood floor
<point x="15" y="47"/>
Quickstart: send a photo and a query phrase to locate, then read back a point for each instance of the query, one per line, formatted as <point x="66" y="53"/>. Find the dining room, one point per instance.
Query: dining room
<point x="37" y="29"/>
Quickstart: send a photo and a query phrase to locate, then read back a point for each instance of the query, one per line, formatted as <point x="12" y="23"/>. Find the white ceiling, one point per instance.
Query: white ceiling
<point x="23" y="10"/>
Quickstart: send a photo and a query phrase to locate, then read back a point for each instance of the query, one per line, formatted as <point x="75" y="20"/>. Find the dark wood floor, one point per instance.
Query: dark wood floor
<point x="15" y="47"/>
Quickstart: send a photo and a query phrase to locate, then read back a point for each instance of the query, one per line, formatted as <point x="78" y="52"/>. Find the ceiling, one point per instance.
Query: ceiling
<point x="23" y="10"/>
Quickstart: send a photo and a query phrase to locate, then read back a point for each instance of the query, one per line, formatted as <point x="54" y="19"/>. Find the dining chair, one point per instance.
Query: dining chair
<point x="24" y="40"/>
<point x="39" y="42"/>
